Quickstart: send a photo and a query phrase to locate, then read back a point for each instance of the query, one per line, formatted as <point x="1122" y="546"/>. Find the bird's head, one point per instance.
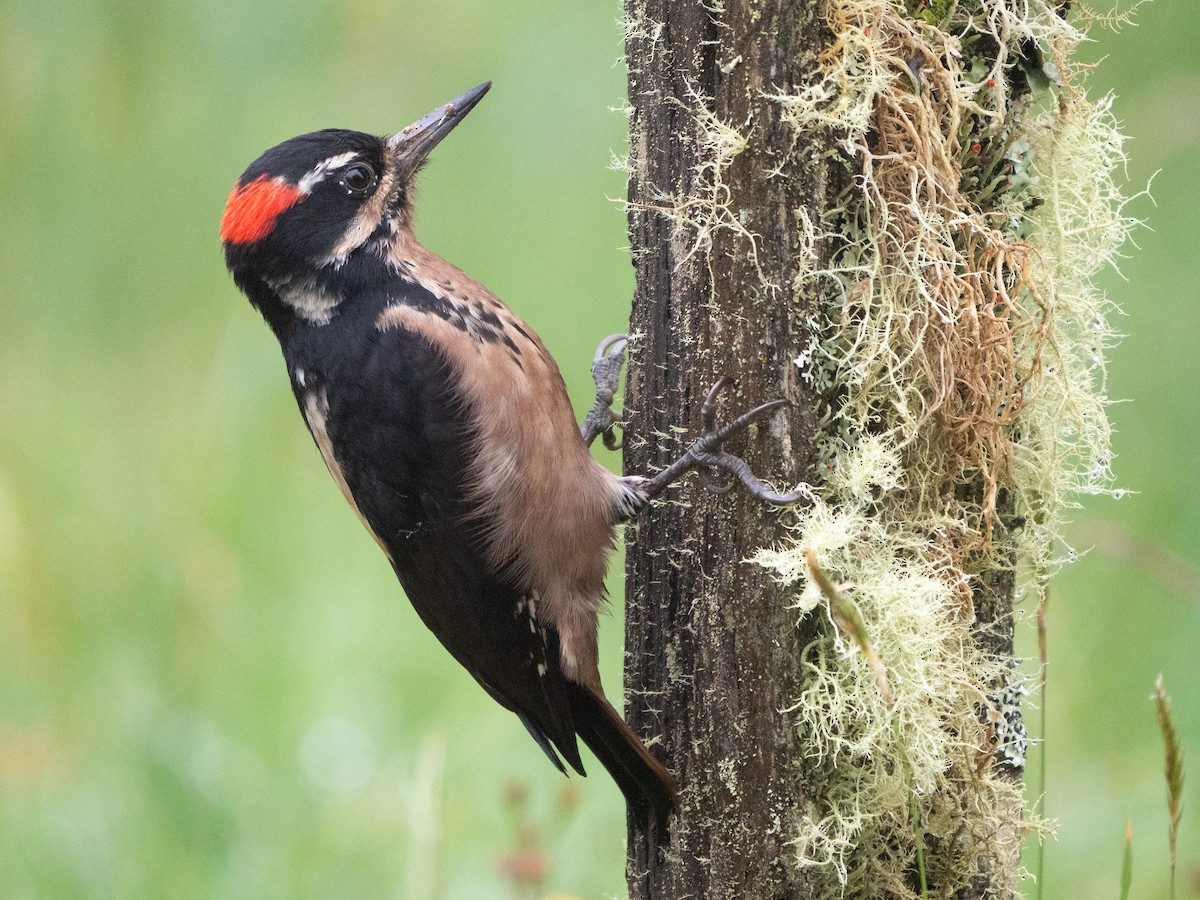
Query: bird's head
<point x="308" y="204"/>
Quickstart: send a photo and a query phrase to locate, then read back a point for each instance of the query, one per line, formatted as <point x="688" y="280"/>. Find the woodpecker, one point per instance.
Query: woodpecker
<point x="446" y="424"/>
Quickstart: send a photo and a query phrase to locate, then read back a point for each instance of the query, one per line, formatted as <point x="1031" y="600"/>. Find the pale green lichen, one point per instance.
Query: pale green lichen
<point x="706" y="209"/>
<point x="962" y="354"/>
<point x="1064" y="449"/>
<point x="959" y="348"/>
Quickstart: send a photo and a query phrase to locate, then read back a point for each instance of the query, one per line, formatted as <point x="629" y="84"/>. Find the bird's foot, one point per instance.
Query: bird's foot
<point x="602" y="419"/>
<point x="706" y="455"/>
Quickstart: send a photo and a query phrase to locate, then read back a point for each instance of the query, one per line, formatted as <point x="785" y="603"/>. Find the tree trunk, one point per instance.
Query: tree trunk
<point x="903" y="177"/>
<point x="723" y="196"/>
<point x="713" y="652"/>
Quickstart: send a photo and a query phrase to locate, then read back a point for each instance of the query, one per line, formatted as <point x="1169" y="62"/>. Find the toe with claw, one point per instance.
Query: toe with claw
<point x="602" y="419"/>
<point x="706" y="455"/>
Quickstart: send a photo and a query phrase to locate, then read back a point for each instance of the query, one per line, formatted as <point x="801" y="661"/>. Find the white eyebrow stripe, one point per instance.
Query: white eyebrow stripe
<point x="323" y="168"/>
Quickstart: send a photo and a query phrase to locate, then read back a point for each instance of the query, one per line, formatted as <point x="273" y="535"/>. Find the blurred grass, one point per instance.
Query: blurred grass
<point x="210" y="685"/>
<point x="1132" y="606"/>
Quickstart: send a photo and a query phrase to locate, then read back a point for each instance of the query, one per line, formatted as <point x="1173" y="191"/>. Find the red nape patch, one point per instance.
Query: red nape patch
<point x="251" y="210"/>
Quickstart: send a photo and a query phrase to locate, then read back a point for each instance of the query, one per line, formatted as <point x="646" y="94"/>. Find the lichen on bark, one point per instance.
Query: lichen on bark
<point x="889" y="211"/>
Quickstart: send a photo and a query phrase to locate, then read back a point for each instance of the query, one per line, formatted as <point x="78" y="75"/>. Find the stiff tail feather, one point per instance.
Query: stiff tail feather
<point x="650" y="790"/>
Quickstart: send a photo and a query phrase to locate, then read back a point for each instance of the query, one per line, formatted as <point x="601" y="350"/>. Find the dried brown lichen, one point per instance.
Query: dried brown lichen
<point x="962" y="354"/>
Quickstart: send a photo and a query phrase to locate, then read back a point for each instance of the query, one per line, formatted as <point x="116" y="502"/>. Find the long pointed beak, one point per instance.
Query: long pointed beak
<point x="414" y="143"/>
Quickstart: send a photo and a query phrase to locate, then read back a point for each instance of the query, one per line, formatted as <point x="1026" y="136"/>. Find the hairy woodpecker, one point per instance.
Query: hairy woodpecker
<point x="447" y="426"/>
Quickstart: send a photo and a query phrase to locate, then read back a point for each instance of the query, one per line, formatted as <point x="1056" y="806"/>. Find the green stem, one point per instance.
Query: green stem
<point x="915" y="810"/>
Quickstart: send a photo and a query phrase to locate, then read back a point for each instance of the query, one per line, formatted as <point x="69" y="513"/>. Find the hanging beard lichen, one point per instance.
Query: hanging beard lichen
<point x="960" y="350"/>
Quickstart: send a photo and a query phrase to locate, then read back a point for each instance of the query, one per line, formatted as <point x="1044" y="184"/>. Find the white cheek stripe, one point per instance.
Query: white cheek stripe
<point x="323" y="168"/>
<point x="368" y="219"/>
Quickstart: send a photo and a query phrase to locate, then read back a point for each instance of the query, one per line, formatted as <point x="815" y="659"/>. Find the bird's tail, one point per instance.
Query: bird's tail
<point x="650" y="790"/>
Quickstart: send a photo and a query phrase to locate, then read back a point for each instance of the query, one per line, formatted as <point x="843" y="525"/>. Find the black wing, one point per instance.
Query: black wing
<point x="401" y="439"/>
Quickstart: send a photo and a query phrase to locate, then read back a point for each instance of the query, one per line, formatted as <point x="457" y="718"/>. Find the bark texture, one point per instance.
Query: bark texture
<point x="713" y="654"/>
<point x="721" y="194"/>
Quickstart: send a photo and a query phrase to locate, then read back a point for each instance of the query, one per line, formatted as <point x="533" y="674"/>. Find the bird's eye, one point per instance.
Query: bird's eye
<point x="358" y="179"/>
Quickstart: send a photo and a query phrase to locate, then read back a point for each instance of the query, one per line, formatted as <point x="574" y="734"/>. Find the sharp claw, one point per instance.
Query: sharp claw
<point x="606" y="372"/>
<point x="605" y="349"/>
<point x="739" y="468"/>
<point x="714" y="439"/>
<point x="708" y="411"/>
<point x="706" y="454"/>
<point x="609" y="434"/>
<point x="712" y="485"/>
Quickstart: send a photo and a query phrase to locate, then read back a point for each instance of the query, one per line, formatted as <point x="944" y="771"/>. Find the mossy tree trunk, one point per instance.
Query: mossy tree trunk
<point x="721" y="193"/>
<point x="713" y="652"/>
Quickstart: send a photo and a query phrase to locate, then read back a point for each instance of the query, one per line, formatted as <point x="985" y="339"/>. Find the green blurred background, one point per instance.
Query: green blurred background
<point x="210" y="684"/>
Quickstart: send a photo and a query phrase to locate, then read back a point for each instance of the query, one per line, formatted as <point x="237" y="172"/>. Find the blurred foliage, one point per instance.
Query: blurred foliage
<point x="1131" y="607"/>
<point x="210" y="685"/>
